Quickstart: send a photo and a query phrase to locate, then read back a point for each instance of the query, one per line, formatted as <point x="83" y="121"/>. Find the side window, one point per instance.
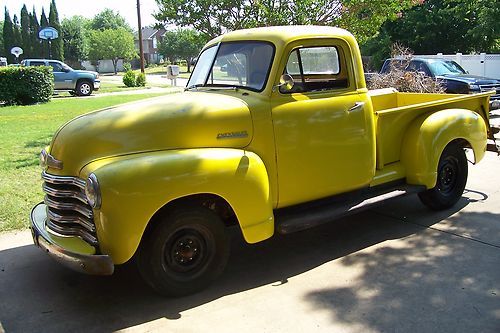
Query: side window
<point x="37" y="63"/>
<point x="56" y="67"/>
<point x="316" y="69"/>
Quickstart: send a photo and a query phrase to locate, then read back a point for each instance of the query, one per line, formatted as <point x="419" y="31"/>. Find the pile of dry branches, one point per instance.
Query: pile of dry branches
<point x="401" y="79"/>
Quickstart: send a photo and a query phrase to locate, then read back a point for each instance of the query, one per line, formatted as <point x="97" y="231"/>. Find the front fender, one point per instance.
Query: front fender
<point x="135" y="187"/>
<point x="428" y="135"/>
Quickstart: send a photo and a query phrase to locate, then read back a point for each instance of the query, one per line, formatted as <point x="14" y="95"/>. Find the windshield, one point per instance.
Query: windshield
<point x="443" y="67"/>
<point x="237" y="64"/>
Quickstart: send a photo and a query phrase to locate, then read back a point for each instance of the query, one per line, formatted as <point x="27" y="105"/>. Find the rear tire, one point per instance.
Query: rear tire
<point x="451" y="179"/>
<point x="184" y="252"/>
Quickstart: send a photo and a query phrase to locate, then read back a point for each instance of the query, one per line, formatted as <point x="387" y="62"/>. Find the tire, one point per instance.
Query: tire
<point x="184" y="252"/>
<point x="84" y="88"/>
<point x="451" y="179"/>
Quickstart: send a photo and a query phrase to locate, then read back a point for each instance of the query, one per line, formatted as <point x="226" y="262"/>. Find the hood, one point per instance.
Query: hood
<point x="177" y="121"/>
<point x="469" y="78"/>
<point x="81" y="71"/>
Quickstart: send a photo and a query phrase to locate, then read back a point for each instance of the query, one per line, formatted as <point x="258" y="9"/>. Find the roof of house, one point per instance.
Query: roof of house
<point x="147" y="33"/>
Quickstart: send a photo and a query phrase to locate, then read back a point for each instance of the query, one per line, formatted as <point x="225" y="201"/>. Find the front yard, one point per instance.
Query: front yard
<point x="24" y="132"/>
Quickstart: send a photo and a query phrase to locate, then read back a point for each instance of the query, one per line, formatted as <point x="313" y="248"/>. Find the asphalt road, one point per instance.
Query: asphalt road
<point x="397" y="268"/>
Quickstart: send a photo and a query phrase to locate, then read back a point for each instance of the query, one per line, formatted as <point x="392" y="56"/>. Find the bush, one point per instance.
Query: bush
<point x="127" y="66"/>
<point x="129" y="79"/>
<point x="141" y="80"/>
<point x="26" y="85"/>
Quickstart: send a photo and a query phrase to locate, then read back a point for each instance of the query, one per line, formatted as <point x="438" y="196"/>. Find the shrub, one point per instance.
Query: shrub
<point x="26" y="85"/>
<point x="129" y="79"/>
<point x="141" y="80"/>
<point x="127" y="66"/>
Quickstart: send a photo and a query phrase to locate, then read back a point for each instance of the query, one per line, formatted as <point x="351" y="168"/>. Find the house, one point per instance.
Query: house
<point x="151" y="37"/>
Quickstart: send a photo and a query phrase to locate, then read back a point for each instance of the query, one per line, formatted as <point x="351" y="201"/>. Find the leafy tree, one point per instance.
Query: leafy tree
<point x="57" y="48"/>
<point x="361" y="17"/>
<point x="2" y="49"/>
<point x="73" y="36"/>
<point x="108" y="19"/>
<point x="114" y="44"/>
<point x="446" y="26"/>
<point x="8" y="36"/>
<point x="16" y="27"/>
<point x="44" y="23"/>
<point x="44" y="45"/>
<point x="181" y="44"/>
<point x="34" y="29"/>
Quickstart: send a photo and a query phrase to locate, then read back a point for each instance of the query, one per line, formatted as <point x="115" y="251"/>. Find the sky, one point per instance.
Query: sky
<point x="89" y="8"/>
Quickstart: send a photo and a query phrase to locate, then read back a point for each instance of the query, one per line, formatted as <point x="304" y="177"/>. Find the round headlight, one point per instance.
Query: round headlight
<point x="93" y="192"/>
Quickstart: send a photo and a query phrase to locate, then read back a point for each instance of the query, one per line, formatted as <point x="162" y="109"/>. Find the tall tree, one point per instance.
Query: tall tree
<point x="181" y="44"/>
<point x="25" y="33"/>
<point x="2" y="49"/>
<point x="16" y="27"/>
<point x="73" y="35"/>
<point x="8" y="36"/>
<point x="44" y="45"/>
<point x="361" y="17"/>
<point x="108" y="19"/>
<point x="34" y="29"/>
<point x="114" y="44"/>
<point x="57" y="44"/>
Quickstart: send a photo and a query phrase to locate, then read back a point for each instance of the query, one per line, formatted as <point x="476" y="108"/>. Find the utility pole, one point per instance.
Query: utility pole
<point x="141" y="50"/>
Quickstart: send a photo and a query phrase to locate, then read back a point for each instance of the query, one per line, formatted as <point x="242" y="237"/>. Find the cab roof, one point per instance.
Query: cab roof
<point x="283" y="34"/>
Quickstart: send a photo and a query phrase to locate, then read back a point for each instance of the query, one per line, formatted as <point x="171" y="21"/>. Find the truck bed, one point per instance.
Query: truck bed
<point x="394" y="111"/>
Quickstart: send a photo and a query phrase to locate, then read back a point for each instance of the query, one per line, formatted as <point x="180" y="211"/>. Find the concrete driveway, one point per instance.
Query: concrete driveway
<point x="397" y="268"/>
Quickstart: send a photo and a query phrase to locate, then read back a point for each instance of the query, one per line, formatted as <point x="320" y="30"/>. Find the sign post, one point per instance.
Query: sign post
<point x="16" y="51"/>
<point x="48" y="34"/>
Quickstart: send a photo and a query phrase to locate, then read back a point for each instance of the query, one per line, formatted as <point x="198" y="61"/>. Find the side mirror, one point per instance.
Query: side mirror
<point x="286" y="81"/>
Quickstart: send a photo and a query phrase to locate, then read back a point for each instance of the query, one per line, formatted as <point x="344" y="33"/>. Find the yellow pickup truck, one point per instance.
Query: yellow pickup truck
<point x="275" y="132"/>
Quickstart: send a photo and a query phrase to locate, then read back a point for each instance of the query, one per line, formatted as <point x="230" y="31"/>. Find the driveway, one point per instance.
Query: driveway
<point x="397" y="268"/>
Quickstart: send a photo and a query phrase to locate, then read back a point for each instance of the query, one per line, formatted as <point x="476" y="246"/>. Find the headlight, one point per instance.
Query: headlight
<point x="93" y="192"/>
<point x="474" y="87"/>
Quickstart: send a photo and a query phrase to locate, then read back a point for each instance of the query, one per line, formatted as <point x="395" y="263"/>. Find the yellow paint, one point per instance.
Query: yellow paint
<point x="298" y="147"/>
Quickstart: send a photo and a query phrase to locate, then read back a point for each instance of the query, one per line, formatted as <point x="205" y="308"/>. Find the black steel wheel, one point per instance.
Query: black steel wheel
<point x="184" y="252"/>
<point x="451" y="179"/>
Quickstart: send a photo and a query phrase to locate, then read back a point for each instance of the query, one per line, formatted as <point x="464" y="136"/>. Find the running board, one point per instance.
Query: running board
<point x="297" y="218"/>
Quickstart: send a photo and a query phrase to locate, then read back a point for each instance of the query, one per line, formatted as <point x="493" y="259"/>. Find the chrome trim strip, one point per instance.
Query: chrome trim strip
<point x="63" y="180"/>
<point x="87" y="224"/>
<point x="72" y="231"/>
<point x="51" y="161"/>
<point x="68" y="206"/>
<point x="64" y="193"/>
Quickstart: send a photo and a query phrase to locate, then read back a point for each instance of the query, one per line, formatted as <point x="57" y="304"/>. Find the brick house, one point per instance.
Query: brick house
<point x="151" y="37"/>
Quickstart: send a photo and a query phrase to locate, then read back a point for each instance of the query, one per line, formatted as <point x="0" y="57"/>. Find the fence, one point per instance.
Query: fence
<point x="483" y="64"/>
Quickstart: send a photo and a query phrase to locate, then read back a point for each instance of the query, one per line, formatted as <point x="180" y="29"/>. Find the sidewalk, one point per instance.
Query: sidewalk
<point x="397" y="268"/>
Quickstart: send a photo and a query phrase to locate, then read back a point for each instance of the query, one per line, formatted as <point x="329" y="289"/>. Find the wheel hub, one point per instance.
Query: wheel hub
<point x="448" y="175"/>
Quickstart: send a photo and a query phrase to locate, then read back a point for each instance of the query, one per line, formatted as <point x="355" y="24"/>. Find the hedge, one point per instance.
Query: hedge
<point x="26" y="85"/>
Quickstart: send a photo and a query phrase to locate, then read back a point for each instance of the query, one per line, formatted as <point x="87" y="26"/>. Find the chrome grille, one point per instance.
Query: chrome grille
<point x="68" y="212"/>
<point x="491" y="87"/>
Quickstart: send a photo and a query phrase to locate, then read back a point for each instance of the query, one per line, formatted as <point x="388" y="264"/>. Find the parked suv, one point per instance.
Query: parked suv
<point x="78" y="82"/>
<point x="452" y="76"/>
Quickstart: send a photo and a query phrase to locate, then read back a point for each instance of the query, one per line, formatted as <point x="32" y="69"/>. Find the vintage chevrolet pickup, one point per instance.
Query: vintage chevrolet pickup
<point x="275" y="131"/>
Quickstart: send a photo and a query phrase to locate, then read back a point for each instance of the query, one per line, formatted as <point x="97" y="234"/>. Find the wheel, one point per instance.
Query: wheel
<point x="184" y="252"/>
<point x="451" y="179"/>
<point x="84" y="88"/>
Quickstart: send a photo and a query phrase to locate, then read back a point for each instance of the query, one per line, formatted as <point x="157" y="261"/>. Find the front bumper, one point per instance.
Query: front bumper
<point x="72" y="252"/>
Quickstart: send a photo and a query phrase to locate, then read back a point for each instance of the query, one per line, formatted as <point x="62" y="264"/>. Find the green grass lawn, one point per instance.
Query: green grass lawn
<point x="24" y="132"/>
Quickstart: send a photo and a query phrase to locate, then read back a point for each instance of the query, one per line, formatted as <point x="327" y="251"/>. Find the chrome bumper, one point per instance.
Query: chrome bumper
<point x="90" y="264"/>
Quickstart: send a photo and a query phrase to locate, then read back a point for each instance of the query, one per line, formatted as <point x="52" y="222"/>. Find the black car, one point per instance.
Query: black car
<point x="453" y="77"/>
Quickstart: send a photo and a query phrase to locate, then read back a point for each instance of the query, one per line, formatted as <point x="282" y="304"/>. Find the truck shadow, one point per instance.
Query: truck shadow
<point x="37" y="292"/>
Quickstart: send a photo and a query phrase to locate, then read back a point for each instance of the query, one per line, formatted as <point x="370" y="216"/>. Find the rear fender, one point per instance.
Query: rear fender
<point x="135" y="187"/>
<point x="428" y="135"/>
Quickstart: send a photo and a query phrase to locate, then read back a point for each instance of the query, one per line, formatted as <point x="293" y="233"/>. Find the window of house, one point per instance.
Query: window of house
<point x="316" y="69"/>
<point x="155" y="43"/>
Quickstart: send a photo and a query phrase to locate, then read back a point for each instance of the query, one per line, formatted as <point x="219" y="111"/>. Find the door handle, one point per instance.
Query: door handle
<point x="357" y="106"/>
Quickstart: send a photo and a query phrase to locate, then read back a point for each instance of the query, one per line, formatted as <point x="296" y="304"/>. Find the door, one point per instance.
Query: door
<point x="324" y="139"/>
<point x="62" y="77"/>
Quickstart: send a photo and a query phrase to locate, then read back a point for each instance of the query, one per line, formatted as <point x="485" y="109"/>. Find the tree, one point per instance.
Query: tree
<point x="114" y="44"/>
<point x="44" y="22"/>
<point x="25" y="33"/>
<point x="8" y="36"/>
<point x="57" y="48"/>
<point x="73" y="36"/>
<point x="361" y="17"/>
<point x="181" y="44"/>
<point x="108" y="19"/>
<point x="446" y="26"/>
<point x="34" y="29"/>
<point x="2" y="49"/>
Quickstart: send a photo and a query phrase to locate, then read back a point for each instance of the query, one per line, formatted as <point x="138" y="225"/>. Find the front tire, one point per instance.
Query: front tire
<point x="451" y="179"/>
<point x="184" y="252"/>
<point x="84" y="88"/>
